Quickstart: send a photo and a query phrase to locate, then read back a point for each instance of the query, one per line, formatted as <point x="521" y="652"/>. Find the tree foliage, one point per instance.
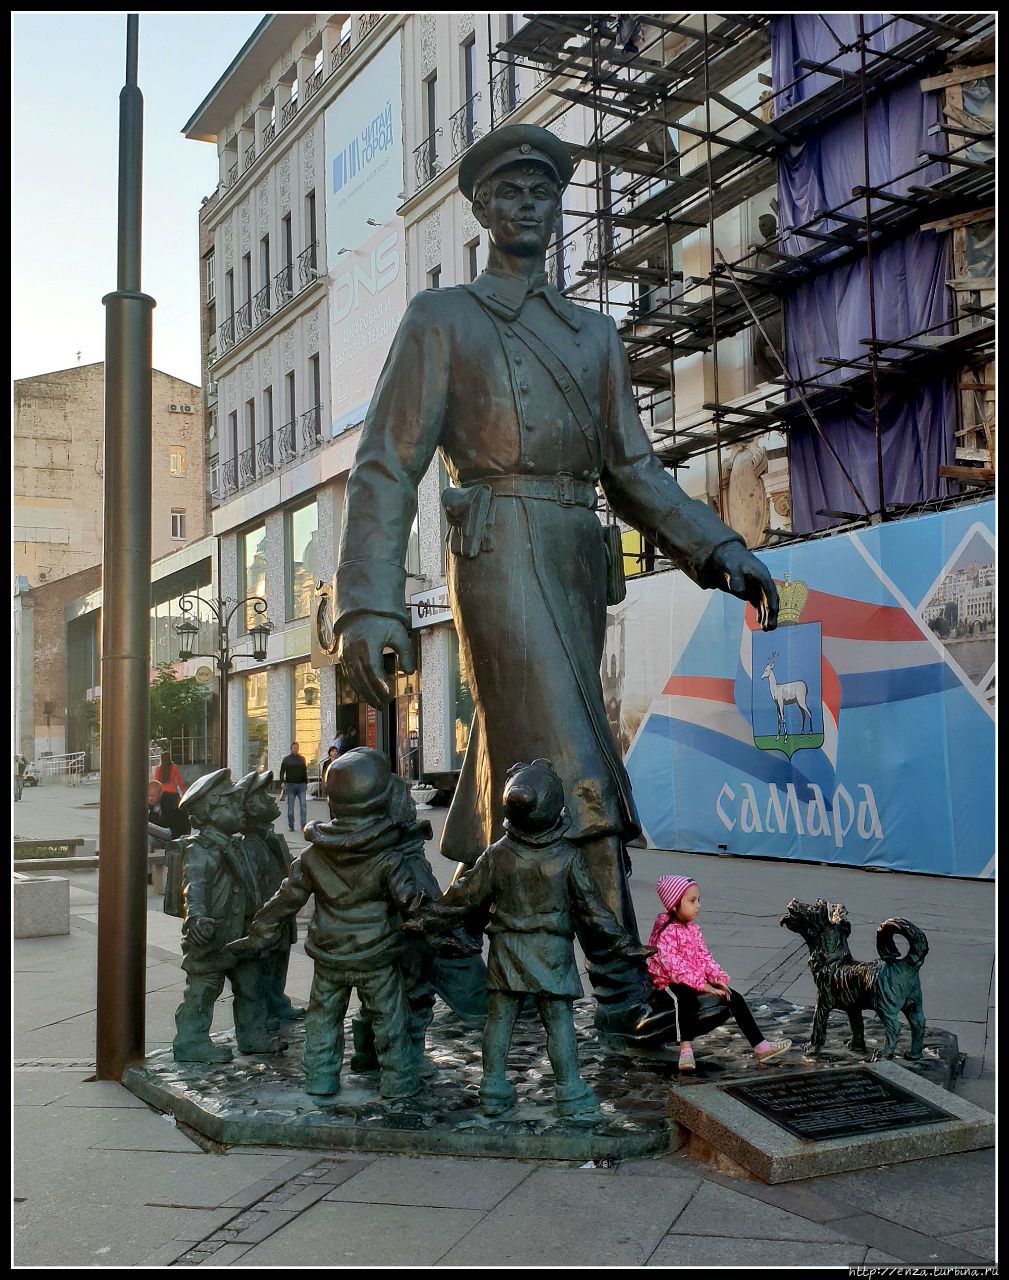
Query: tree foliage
<point x="176" y="705"/>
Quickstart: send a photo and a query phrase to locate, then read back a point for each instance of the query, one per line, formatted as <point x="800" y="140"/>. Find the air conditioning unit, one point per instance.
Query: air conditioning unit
<point x="180" y="408"/>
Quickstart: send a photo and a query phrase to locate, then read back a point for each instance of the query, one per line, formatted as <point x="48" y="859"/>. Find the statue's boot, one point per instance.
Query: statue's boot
<point x="496" y="1095"/>
<point x="193" y="1020"/>
<point x="364" y="1057"/>
<point x="399" y="1084"/>
<point x="280" y="1008"/>
<point x="322" y="1083"/>
<point x="200" y="1051"/>
<point x="575" y="1099"/>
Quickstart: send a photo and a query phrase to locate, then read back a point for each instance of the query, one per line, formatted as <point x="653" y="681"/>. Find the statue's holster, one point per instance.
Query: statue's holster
<point x="468" y="514"/>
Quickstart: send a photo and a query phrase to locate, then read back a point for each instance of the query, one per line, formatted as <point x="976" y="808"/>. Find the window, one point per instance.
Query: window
<point x="434" y="277"/>
<point x="460" y="705"/>
<point x="215" y="476"/>
<point x="472" y="269"/>
<point x="177" y="460"/>
<point x="179" y="524"/>
<point x="233" y="434"/>
<point x="306" y="729"/>
<point x="264" y="259"/>
<point x="268" y="422"/>
<point x="289" y="388"/>
<point x="469" y="89"/>
<point x="257" y="732"/>
<point x="316" y="376"/>
<point x="302" y="541"/>
<point x="247" y="275"/>
<point x="252" y="568"/>
<point x="431" y="106"/>
<point x="311" y="230"/>
<point x="208" y="276"/>
<point x="229" y="283"/>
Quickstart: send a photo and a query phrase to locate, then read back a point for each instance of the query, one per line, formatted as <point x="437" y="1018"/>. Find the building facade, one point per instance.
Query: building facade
<point x="59" y="430"/>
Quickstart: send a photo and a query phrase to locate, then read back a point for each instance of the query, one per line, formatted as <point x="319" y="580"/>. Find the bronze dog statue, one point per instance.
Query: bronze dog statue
<point x="890" y="985"/>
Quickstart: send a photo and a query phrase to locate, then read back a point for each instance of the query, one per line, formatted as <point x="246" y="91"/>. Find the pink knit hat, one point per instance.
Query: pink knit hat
<point x="671" y="889"/>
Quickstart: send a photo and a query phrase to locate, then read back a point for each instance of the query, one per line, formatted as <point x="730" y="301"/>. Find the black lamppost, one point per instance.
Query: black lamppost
<point x="188" y="629"/>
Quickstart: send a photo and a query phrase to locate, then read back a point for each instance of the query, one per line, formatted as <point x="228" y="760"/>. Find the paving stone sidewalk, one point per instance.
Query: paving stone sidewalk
<point x="102" y="1180"/>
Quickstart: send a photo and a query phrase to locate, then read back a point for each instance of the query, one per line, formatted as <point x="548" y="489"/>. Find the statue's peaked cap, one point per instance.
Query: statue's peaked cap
<point x="202" y="788"/>
<point x="358" y="782"/>
<point x="514" y="144"/>
<point x="254" y="781"/>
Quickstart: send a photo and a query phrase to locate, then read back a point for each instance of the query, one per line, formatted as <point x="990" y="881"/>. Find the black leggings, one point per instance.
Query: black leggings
<point x="686" y="1000"/>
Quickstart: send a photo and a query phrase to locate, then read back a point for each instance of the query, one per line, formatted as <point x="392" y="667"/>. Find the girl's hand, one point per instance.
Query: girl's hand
<point x="710" y="989"/>
<point x="722" y="989"/>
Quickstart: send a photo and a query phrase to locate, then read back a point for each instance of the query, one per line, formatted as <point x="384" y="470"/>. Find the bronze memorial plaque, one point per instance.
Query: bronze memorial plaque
<point x="836" y="1104"/>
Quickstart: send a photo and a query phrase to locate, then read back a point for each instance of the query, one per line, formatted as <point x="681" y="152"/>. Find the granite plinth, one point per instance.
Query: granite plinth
<point x="726" y="1124"/>
<point x="260" y="1101"/>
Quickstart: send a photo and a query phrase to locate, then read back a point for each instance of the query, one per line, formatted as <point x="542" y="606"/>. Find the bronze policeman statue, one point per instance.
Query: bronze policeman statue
<point x="529" y="399"/>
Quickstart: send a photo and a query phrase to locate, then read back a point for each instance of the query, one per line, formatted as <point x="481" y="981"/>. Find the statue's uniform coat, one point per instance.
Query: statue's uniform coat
<point x="217" y="882"/>
<point x="507" y="384"/>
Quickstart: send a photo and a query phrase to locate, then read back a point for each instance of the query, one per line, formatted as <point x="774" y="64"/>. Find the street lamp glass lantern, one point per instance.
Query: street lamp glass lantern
<point x="260" y="634"/>
<point x="187" y="630"/>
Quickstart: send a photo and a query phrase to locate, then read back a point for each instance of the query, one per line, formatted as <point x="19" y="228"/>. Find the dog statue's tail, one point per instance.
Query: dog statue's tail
<point x="917" y="943"/>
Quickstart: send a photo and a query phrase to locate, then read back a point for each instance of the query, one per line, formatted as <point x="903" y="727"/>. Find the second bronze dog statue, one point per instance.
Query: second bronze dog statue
<point x="889" y="985"/>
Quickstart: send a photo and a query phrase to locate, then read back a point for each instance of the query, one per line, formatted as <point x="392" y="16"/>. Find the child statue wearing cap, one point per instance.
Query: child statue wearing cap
<point x="539" y="891"/>
<point x="271" y="861"/>
<point x="219" y="896"/>
<point x="358" y="870"/>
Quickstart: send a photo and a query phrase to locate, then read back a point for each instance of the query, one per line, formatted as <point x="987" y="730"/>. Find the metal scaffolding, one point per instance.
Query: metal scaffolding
<point x="686" y="126"/>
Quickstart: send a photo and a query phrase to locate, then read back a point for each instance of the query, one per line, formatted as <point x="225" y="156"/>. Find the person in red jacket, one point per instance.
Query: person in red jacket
<point x="172" y="788"/>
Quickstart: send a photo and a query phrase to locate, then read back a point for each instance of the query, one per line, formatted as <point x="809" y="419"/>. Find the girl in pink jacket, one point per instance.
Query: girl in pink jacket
<point x="684" y="968"/>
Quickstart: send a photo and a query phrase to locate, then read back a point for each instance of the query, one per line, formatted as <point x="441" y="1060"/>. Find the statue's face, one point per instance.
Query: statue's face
<point x="260" y="806"/>
<point x="226" y="813"/>
<point x="520" y="209"/>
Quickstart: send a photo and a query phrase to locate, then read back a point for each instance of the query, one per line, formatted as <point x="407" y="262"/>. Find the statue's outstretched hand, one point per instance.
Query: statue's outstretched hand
<point x="746" y="577"/>
<point x="361" y="644"/>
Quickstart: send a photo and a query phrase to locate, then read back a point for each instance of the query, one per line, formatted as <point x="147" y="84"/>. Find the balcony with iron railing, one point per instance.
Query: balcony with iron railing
<point x="283" y="286"/>
<point x="313" y="83"/>
<point x="229" y="478"/>
<point x="308" y="264"/>
<point x="340" y="55"/>
<point x="269" y="133"/>
<point x="246" y="467"/>
<point x="425" y="159"/>
<point x="505" y="92"/>
<point x="250" y="157"/>
<point x="367" y="22"/>
<point x="261" y="306"/>
<point x="226" y="335"/>
<point x="289" y="111"/>
<point x="286" y="443"/>
<point x="311" y="427"/>
<point x="264" y="456"/>
<point x="463" y="130"/>
<point x="233" y="174"/>
<point x="243" y="321"/>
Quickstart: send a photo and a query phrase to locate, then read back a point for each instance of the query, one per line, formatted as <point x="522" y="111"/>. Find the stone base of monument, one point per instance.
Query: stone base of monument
<point x="260" y="1101"/>
<point x="803" y="1125"/>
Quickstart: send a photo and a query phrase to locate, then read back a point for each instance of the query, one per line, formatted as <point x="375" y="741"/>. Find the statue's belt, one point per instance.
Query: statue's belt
<point x="468" y="509"/>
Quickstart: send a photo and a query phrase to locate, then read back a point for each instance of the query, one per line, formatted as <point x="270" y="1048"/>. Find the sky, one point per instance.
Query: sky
<point x="68" y="69"/>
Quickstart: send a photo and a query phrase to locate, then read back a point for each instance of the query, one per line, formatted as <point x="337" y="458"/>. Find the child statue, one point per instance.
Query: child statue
<point x="217" y="898"/>
<point x="539" y="892"/>
<point x="363" y="885"/>
<point x="270" y="859"/>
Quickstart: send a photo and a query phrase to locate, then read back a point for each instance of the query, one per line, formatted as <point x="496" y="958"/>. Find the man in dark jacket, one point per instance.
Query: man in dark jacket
<point x="219" y="898"/>
<point x="294" y="782"/>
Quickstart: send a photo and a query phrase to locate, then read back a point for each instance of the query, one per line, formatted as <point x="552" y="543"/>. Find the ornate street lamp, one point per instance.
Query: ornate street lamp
<point x="188" y="630"/>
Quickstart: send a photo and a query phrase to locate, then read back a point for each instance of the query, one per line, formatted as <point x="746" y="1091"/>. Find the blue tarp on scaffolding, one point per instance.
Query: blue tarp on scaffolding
<point x="828" y="316"/>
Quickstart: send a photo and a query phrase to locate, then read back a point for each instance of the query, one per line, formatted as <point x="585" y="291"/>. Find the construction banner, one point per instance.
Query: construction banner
<point x="860" y="732"/>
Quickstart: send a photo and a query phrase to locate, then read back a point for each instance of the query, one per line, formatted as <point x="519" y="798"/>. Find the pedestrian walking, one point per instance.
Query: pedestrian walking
<point x="20" y="765"/>
<point x="331" y="755"/>
<point x="294" y="783"/>
<point x="684" y="968"/>
<point x="172" y="787"/>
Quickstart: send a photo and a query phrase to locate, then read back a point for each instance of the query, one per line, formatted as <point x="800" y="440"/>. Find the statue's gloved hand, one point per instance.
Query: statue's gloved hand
<point x="201" y="928"/>
<point x="360" y="646"/>
<point x="746" y="577"/>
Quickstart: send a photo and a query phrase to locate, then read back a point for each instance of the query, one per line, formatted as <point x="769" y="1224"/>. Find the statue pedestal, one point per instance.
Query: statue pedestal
<point x="260" y="1101"/>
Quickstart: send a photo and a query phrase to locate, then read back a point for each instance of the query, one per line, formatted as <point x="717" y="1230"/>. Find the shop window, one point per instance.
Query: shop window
<point x="306" y="717"/>
<point x="257" y="734"/>
<point x="252" y="568"/>
<point x="301" y="538"/>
